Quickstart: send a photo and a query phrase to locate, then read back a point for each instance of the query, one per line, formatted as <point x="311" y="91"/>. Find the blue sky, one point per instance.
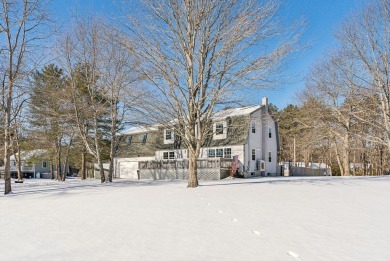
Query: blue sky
<point x="323" y="17"/>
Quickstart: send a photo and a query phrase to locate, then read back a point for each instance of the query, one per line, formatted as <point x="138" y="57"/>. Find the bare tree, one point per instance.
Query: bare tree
<point x="83" y="58"/>
<point x="20" y="21"/>
<point x="364" y="40"/>
<point x="118" y="75"/>
<point x="197" y="53"/>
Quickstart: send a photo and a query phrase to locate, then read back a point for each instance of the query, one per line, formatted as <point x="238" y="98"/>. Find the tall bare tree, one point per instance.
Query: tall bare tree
<point x="20" y="21"/>
<point x="197" y="53"/>
<point x="118" y="76"/>
<point x="83" y="59"/>
<point x="364" y="40"/>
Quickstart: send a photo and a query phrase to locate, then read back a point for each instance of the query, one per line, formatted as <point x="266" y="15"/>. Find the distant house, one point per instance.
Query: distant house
<point x="249" y="133"/>
<point x="35" y="164"/>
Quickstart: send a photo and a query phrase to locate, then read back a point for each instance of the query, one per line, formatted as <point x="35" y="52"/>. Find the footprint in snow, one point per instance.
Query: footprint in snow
<point x="294" y="255"/>
<point x="257" y="233"/>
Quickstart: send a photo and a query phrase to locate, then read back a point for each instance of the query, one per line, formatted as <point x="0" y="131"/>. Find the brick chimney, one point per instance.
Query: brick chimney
<point x="264" y="101"/>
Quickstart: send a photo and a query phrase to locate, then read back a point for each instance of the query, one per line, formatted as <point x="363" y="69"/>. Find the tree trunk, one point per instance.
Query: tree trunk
<point x="338" y="160"/>
<point x="19" y="163"/>
<point x="192" y="169"/>
<point x="83" y="166"/>
<point x="67" y="158"/>
<point x="51" y="169"/>
<point x="7" y="166"/>
<point x="111" y="170"/>
<point x="346" y="154"/>
<point x="58" y="164"/>
<point x="101" y="170"/>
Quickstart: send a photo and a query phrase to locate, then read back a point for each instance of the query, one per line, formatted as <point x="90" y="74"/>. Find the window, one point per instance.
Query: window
<point x="228" y="153"/>
<point x="128" y="139"/>
<point x="269" y="156"/>
<point x="211" y="153"/>
<point x="169" y="155"/>
<point x="253" y="127"/>
<point x="168" y="135"/>
<point x="15" y="163"/>
<point x="269" y="132"/>
<point x="219" y="128"/>
<point x="144" y="138"/>
<point x="253" y="154"/>
<point x="219" y="153"/>
<point x="44" y="164"/>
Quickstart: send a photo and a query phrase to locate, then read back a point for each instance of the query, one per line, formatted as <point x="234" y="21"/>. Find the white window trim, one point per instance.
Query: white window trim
<point x="172" y="140"/>
<point x="220" y="136"/>
<point x="43" y="164"/>
<point x="169" y="155"/>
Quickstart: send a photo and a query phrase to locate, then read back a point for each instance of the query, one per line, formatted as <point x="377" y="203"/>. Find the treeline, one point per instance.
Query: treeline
<point x="344" y="114"/>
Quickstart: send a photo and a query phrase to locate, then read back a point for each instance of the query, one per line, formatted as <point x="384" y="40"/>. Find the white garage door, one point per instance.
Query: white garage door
<point x="128" y="170"/>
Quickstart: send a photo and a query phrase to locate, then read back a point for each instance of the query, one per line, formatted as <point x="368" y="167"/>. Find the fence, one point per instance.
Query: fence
<point x="301" y="171"/>
<point x="208" y="169"/>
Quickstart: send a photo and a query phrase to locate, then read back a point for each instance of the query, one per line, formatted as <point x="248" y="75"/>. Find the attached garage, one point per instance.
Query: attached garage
<point x="126" y="168"/>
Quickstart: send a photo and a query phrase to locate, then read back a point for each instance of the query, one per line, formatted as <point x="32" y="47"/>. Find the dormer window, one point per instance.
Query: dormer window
<point x="128" y="139"/>
<point x="169" y="136"/>
<point x="144" y="138"/>
<point x="220" y="130"/>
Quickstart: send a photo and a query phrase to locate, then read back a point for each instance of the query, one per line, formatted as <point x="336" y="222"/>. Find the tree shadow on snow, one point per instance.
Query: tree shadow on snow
<point x="316" y="181"/>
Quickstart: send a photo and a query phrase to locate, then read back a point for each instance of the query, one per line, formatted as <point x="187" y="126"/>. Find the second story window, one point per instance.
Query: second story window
<point x="253" y="127"/>
<point x="219" y="128"/>
<point x="253" y="154"/>
<point x="44" y="164"/>
<point x="168" y="135"/>
<point x="128" y="139"/>
<point x="269" y="132"/>
<point x="219" y="153"/>
<point x="144" y="138"/>
<point x="269" y="156"/>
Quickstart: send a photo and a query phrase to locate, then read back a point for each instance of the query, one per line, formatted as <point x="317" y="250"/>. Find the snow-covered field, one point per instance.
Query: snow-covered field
<point x="312" y="218"/>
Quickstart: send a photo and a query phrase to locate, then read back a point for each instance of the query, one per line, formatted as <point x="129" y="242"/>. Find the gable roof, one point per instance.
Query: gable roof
<point x="235" y="112"/>
<point x="39" y="153"/>
<point x="216" y="116"/>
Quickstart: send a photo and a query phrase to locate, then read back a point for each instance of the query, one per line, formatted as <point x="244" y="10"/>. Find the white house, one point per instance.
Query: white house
<point x="250" y="133"/>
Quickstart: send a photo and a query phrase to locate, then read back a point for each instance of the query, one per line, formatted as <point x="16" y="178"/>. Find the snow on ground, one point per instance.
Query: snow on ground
<point x="311" y="218"/>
